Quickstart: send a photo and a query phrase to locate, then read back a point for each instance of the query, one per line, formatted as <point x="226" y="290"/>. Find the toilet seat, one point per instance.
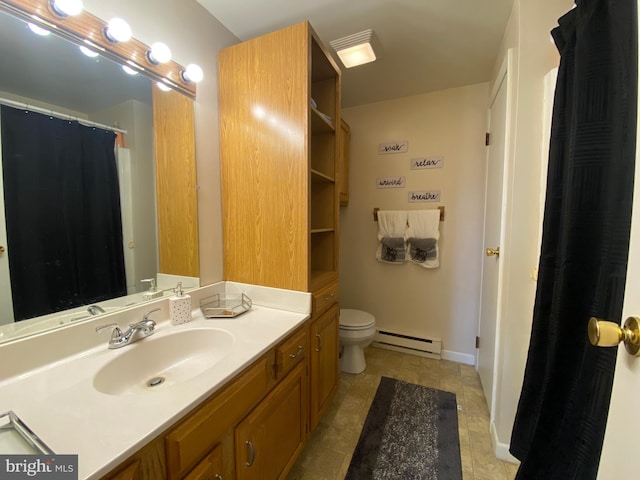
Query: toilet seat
<point x="356" y="319"/>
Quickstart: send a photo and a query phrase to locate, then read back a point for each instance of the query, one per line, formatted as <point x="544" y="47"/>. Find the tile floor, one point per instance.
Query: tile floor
<point x="328" y="452"/>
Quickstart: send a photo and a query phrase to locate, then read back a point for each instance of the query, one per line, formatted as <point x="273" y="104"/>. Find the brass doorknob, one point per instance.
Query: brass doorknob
<point x="492" y="252"/>
<point x="609" y="334"/>
<point x="1" y="249"/>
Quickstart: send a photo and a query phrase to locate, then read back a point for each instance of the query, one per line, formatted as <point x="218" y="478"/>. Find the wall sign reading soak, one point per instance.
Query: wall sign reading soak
<point x="428" y="196"/>
<point x="399" y="146"/>
<point x="421" y="163"/>
<point x="391" y="182"/>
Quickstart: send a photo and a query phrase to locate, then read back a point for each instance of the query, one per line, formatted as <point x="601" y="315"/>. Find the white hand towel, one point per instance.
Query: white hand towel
<point x="392" y="225"/>
<point x="422" y="237"/>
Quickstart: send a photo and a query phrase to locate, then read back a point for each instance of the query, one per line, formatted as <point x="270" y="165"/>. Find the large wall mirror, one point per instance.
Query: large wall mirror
<point x="49" y="78"/>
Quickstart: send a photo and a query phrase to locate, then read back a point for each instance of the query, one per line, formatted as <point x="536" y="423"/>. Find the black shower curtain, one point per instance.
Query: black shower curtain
<point x="62" y="207"/>
<point x="563" y="406"/>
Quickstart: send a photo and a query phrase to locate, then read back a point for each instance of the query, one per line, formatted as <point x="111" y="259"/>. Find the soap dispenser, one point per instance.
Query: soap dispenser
<point x="180" y="306"/>
<point x="153" y="291"/>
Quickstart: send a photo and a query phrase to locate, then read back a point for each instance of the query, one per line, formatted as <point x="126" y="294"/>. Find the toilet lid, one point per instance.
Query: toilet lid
<point x="355" y="318"/>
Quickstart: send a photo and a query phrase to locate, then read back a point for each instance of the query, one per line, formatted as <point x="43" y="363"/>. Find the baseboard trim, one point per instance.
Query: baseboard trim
<point x="501" y="449"/>
<point x="458" y="357"/>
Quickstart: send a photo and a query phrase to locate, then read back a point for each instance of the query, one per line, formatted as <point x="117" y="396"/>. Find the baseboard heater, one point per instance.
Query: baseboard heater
<point x="426" y="347"/>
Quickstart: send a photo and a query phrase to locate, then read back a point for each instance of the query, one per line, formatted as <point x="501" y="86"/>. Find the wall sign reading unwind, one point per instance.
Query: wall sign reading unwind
<point x="391" y="182"/>
<point x="428" y="196"/>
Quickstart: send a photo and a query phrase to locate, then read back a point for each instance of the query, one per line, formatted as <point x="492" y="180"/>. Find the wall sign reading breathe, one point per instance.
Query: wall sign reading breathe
<point x="428" y="196"/>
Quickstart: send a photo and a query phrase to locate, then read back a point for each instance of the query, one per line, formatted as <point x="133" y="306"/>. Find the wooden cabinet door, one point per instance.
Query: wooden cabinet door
<point x="343" y="162"/>
<point x="324" y="362"/>
<point x="270" y="438"/>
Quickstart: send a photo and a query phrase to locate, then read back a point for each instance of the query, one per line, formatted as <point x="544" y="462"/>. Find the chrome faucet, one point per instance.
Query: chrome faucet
<point x="137" y="331"/>
<point x="95" y="309"/>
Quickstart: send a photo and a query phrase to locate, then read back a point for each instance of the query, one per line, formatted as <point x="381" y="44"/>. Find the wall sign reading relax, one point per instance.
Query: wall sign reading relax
<point x="421" y="163"/>
<point x="427" y="196"/>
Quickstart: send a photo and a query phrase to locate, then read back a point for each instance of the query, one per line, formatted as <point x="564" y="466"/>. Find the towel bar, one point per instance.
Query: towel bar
<point x="376" y="210"/>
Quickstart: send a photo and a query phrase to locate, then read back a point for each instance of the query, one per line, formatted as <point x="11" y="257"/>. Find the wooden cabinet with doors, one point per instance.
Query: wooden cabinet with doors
<point x="279" y="103"/>
<point x="279" y="121"/>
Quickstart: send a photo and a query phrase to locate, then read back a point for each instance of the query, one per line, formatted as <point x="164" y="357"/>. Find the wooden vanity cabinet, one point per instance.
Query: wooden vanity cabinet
<point x="267" y="405"/>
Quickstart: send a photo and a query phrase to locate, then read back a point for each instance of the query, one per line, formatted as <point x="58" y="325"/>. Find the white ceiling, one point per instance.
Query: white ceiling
<point x="427" y="45"/>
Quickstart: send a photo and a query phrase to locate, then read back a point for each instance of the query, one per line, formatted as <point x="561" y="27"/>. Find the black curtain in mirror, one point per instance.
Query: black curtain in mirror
<point x="62" y="207"/>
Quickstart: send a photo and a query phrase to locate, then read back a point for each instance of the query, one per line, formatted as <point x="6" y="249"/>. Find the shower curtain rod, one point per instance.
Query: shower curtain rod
<point x="62" y="116"/>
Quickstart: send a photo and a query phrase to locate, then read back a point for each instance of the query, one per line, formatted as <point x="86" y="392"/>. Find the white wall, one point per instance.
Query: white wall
<point x="194" y="36"/>
<point x="441" y="302"/>
<point x="528" y="34"/>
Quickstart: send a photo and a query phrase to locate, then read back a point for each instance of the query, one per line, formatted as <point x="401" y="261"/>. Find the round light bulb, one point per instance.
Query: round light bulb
<point x="38" y="30"/>
<point x="159" y="53"/>
<point x="65" y="8"/>
<point x="164" y="87"/>
<point x="193" y="73"/>
<point x="88" y="52"/>
<point x="129" y="70"/>
<point x="117" y="30"/>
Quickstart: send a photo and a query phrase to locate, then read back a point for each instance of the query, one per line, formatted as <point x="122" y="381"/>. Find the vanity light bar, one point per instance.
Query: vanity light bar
<point x="85" y="26"/>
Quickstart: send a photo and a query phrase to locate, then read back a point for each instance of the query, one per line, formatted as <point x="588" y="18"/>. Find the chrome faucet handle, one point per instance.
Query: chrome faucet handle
<point x="115" y="334"/>
<point x="145" y="317"/>
<point x="146" y="322"/>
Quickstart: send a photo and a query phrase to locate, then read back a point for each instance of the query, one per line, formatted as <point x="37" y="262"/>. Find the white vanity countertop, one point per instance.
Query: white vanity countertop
<point x="60" y="404"/>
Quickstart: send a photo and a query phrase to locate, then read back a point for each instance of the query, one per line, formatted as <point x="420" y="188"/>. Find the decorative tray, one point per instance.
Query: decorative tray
<point x="18" y="439"/>
<point x="221" y="306"/>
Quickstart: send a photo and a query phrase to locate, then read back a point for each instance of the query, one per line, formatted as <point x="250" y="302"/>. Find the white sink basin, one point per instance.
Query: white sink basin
<point x="155" y="363"/>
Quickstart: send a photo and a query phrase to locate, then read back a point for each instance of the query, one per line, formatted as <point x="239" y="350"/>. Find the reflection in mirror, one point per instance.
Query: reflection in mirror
<point x="50" y="75"/>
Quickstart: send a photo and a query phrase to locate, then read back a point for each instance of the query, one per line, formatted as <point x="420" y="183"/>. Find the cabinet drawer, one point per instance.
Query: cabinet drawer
<point x="189" y="442"/>
<point x="292" y="351"/>
<point x="324" y="298"/>
<point x="210" y="468"/>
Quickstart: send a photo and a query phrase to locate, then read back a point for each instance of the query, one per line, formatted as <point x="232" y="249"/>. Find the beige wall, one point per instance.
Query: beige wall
<point x="194" y="36"/>
<point x="534" y="55"/>
<point x="442" y="302"/>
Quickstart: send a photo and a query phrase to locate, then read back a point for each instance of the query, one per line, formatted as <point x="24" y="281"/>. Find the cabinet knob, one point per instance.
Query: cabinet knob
<point x="298" y="353"/>
<point x="319" y="343"/>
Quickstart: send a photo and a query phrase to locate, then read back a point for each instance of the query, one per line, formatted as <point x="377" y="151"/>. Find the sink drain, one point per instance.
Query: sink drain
<point x="155" y="381"/>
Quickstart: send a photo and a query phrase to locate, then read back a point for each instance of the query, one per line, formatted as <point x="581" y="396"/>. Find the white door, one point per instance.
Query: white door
<point x="621" y="445"/>
<point x="490" y="297"/>
<point x="6" y="301"/>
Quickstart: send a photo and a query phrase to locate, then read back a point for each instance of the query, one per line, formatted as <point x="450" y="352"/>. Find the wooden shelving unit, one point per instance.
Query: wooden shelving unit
<point x="279" y="127"/>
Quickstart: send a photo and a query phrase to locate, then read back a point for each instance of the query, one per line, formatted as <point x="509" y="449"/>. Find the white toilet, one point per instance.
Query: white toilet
<point x="357" y="329"/>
